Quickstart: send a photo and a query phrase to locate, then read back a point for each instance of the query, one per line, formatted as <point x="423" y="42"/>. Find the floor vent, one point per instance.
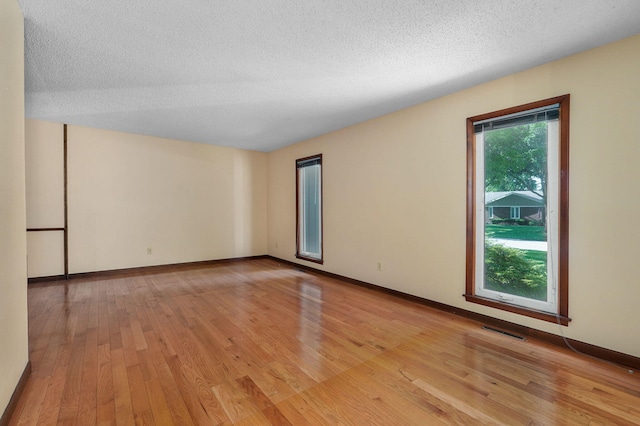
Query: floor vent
<point x="506" y="333"/>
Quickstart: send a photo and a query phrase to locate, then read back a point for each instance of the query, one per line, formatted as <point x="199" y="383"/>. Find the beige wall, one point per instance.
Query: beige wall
<point x="44" y="152"/>
<point x="394" y="192"/>
<point x="13" y="245"/>
<point x="185" y="201"/>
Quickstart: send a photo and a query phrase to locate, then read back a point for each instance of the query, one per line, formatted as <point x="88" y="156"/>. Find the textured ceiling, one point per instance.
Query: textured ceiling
<point x="263" y="74"/>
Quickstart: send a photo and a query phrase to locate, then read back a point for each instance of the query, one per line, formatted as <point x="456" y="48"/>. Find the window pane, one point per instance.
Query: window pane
<point x="309" y="210"/>
<point x="515" y="176"/>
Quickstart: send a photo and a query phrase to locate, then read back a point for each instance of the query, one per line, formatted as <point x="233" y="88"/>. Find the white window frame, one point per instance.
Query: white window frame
<point x="550" y="305"/>
<point x="302" y="251"/>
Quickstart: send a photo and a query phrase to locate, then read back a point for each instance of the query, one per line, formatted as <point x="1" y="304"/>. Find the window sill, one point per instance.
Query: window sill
<point x="310" y="259"/>
<point x="532" y="313"/>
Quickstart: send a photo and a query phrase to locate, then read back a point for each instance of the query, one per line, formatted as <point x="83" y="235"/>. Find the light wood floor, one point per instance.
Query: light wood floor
<point x="258" y="342"/>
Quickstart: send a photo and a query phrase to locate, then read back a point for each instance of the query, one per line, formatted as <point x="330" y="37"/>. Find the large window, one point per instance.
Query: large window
<point x="517" y="209"/>
<point x="309" y="208"/>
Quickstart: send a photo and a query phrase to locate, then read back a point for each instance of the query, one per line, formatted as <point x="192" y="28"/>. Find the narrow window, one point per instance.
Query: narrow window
<point x="519" y="158"/>
<point x="309" y="208"/>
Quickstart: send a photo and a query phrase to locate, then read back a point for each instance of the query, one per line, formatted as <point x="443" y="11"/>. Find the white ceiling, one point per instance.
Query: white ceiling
<point x="263" y="74"/>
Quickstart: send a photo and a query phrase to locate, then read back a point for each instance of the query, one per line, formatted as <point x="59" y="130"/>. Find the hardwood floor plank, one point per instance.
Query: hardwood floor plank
<point x="52" y="402"/>
<point x="395" y="382"/>
<point x="258" y="343"/>
<point x="254" y="393"/>
<point x="456" y="403"/>
<point x="139" y="341"/>
<point x="88" y="398"/>
<point x="103" y="317"/>
<point x="28" y="412"/>
<point x="176" y="403"/>
<point x="157" y="401"/>
<point x="71" y="393"/>
<point x="139" y="398"/>
<point x="364" y="380"/>
<point x="199" y="399"/>
<point x="306" y="409"/>
<point x="235" y="403"/>
<point x="105" y="399"/>
<point x="121" y="389"/>
<point x="115" y="339"/>
<point x="128" y="346"/>
<point x="414" y="361"/>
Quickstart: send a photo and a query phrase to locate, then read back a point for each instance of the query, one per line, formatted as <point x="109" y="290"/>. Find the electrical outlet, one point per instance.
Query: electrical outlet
<point x="149" y="250"/>
<point x="276" y="244"/>
<point x="379" y="266"/>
